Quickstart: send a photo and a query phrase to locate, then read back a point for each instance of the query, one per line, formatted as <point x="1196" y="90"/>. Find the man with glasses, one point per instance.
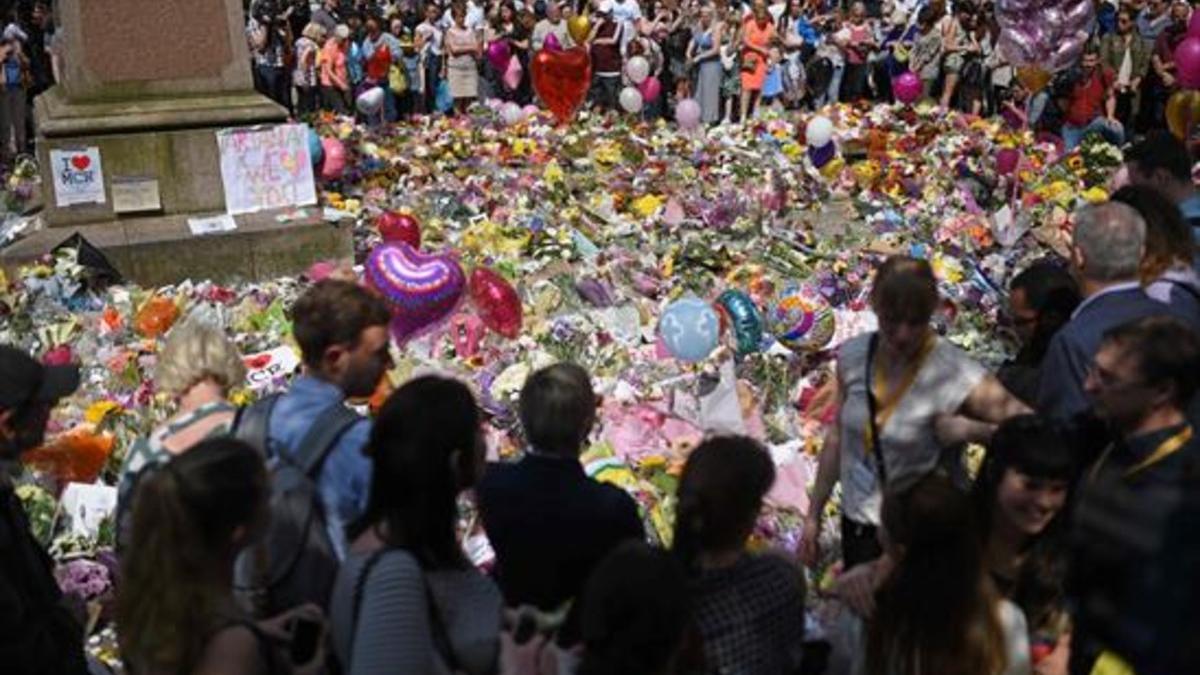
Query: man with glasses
<point x="1106" y="252"/>
<point x="37" y="634"/>
<point x="1040" y="302"/>
<point x="1134" y="543"/>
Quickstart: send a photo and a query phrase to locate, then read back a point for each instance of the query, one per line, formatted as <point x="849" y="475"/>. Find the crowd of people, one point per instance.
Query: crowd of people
<point x="733" y="58"/>
<point x="298" y="536"/>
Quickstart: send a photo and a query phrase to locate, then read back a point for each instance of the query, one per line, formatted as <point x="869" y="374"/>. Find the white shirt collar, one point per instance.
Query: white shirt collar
<point x="1115" y="288"/>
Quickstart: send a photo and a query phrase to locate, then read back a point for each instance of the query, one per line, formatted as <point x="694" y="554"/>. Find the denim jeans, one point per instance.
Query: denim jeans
<point x="1112" y="132"/>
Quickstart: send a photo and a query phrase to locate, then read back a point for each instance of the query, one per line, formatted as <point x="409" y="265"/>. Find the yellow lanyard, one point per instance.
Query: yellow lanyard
<point x="886" y="404"/>
<point x="1164" y="450"/>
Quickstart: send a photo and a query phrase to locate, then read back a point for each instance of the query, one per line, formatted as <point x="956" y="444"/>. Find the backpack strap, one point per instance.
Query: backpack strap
<point x="251" y="424"/>
<point x="322" y="436"/>
<point x="441" y="637"/>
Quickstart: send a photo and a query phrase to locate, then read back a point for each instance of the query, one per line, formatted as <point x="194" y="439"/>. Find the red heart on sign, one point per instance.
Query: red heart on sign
<point x="81" y="162"/>
<point x="561" y="80"/>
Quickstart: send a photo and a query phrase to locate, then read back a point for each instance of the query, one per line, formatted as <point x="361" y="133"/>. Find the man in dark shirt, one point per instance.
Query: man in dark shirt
<point x="1106" y="251"/>
<point x="1040" y="301"/>
<point x="549" y="523"/>
<point x="1134" y="545"/>
<point x="37" y="634"/>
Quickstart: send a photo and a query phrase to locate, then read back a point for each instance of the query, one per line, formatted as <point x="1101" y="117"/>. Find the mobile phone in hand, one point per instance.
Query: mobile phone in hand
<point x="305" y="635"/>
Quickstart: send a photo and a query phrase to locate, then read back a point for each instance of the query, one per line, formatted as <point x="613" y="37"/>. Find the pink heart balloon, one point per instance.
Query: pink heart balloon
<point x="422" y="289"/>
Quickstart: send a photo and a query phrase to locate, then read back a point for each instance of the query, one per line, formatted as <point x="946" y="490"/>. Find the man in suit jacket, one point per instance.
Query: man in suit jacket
<point x="549" y="523"/>
<point x="1107" y="248"/>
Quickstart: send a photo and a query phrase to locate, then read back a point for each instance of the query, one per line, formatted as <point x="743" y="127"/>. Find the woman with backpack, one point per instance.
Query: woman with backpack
<point x="196" y="368"/>
<point x="407" y="599"/>
<point x="177" y="612"/>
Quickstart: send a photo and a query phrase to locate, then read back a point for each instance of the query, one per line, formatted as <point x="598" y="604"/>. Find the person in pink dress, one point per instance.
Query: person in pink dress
<point x="757" y="35"/>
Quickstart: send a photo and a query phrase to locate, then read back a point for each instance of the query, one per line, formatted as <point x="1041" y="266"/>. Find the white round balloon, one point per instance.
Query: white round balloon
<point x="511" y="113"/>
<point x="370" y="101"/>
<point x="631" y="100"/>
<point x="638" y="69"/>
<point x="819" y="132"/>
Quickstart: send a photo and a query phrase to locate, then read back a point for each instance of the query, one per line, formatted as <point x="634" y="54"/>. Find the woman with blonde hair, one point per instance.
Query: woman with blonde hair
<point x="197" y="367"/>
<point x="306" y="75"/>
<point x="334" y="71"/>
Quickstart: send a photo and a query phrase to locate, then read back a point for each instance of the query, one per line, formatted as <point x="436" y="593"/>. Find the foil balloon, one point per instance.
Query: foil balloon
<point x="561" y="80"/>
<point x="801" y="319"/>
<point x="907" y="87"/>
<point x="316" y="153"/>
<point x="1194" y="25"/>
<point x="394" y="226"/>
<point x="579" y="27"/>
<point x="1183" y="113"/>
<point x="378" y="64"/>
<point x="1042" y="33"/>
<point x="551" y="43"/>
<point x="512" y="74"/>
<point x="687" y="114"/>
<point x="744" y="319"/>
<point x="689" y="328"/>
<point x="496" y="301"/>
<point x="421" y="289"/>
<point x="335" y="159"/>
<point x="1033" y="78"/>
<point x="498" y="53"/>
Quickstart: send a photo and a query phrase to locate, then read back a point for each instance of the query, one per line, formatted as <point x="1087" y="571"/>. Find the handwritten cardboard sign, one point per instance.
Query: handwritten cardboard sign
<point x="78" y="176"/>
<point x="266" y="168"/>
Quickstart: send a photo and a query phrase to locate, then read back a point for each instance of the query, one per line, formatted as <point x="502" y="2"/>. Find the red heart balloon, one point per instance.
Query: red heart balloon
<point x="394" y="226"/>
<point x="496" y="301"/>
<point x="561" y="80"/>
<point x="379" y="63"/>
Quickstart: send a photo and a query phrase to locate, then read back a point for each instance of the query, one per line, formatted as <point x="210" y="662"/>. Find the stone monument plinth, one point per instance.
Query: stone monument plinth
<point x="146" y="84"/>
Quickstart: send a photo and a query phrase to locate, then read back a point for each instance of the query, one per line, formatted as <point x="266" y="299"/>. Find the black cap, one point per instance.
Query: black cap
<point x="23" y="380"/>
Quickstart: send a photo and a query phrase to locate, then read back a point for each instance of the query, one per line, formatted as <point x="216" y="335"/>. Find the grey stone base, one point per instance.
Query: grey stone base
<point x="162" y="250"/>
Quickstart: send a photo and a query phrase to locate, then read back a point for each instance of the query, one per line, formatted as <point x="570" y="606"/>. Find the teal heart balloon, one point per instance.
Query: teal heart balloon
<point x="744" y="319"/>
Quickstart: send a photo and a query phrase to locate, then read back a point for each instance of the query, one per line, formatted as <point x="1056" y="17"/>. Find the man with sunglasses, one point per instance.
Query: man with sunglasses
<point x="37" y="633"/>
<point x="1134" y="542"/>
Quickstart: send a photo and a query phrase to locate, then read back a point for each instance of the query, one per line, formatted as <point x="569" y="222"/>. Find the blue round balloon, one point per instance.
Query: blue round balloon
<point x="316" y="152"/>
<point x="690" y="329"/>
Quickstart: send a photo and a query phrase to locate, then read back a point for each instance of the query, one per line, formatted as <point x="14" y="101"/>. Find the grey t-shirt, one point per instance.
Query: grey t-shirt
<point x="910" y="448"/>
<point x="394" y="633"/>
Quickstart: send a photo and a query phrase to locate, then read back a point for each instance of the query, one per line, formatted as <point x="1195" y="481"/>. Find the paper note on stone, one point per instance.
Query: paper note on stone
<point x="212" y="224"/>
<point x="78" y="176"/>
<point x="266" y="168"/>
<point x="87" y="506"/>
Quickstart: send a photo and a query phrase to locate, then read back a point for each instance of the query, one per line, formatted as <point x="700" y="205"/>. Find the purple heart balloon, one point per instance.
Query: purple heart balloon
<point x="422" y="289"/>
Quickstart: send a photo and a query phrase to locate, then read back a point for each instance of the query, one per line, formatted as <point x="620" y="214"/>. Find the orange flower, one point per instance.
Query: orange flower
<point x="76" y="456"/>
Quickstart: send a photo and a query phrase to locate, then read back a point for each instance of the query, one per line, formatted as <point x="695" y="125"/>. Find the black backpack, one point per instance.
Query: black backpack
<point x="294" y="562"/>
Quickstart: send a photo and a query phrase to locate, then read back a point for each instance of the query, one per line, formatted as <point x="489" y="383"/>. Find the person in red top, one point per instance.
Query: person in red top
<point x="1092" y="105"/>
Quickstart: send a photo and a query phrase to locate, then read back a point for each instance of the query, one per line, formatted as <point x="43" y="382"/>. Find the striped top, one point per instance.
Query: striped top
<point x="394" y="633"/>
